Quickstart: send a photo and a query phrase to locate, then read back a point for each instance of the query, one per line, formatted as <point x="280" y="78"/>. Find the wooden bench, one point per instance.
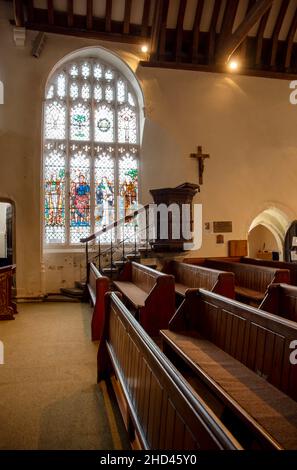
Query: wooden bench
<point x="159" y="408"/>
<point x="97" y="286"/>
<point x="238" y="358"/>
<point x="251" y="282"/>
<point x="189" y="276"/>
<point x="149" y="293"/>
<point x="292" y="267"/>
<point x="7" y="306"/>
<point x="281" y="300"/>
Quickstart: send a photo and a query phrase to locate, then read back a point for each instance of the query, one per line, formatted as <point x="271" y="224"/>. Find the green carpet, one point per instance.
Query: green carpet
<point x="49" y="398"/>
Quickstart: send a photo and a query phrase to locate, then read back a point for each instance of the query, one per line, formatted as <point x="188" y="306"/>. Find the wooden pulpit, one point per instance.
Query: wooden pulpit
<point x="174" y="221"/>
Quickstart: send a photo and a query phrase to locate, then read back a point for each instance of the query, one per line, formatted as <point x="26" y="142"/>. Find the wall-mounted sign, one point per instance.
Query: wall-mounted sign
<point x="222" y="227"/>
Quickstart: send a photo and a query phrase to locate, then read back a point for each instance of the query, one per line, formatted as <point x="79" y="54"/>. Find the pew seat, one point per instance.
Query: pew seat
<point x="239" y="357"/>
<point x="249" y="294"/>
<point x="135" y="295"/>
<point x="272" y="414"/>
<point x="149" y="293"/>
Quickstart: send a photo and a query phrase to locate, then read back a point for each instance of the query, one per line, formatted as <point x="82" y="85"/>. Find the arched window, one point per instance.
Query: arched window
<point x="91" y="149"/>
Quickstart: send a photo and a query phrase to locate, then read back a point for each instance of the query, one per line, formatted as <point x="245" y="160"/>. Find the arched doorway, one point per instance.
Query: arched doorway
<point x="7" y="232"/>
<point x="267" y="232"/>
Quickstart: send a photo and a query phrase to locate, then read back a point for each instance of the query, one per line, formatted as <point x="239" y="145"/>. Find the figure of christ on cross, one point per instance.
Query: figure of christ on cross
<point x="200" y="157"/>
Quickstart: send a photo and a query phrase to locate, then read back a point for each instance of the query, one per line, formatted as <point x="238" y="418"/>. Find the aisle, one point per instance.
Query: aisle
<point x="49" y="398"/>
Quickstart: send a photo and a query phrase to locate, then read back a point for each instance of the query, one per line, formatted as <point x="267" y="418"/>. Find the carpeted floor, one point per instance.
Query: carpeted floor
<point x="49" y="398"/>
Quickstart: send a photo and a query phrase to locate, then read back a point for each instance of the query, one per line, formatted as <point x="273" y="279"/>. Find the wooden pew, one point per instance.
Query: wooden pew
<point x="189" y="276"/>
<point x="97" y="286"/>
<point x="238" y="357"/>
<point x="7" y="306"/>
<point x="281" y="300"/>
<point x="159" y="408"/>
<point x="292" y="267"/>
<point x="149" y="293"/>
<point x="251" y="282"/>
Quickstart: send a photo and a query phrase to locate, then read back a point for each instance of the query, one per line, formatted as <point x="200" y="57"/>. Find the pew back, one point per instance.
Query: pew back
<point x="292" y="267"/>
<point x="281" y="300"/>
<point x="256" y="278"/>
<point x="97" y="286"/>
<point x="201" y="277"/>
<point x="259" y="340"/>
<point x="162" y="409"/>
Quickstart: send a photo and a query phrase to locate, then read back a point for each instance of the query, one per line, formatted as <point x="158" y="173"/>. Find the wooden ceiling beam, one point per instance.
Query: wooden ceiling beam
<point x="162" y="45"/>
<point x="289" y="41"/>
<point x="180" y="29"/>
<point x="156" y="28"/>
<point x="70" y="17"/>
<point x="145" y="18"/>
<point x="196" y="30"/>
<point x="127" y="16"/>
<point x="229" y="44"/>
<point x="228" y="21"/>
<point x="243" y="46"/>
<point x="108" y="10"/>
<point x="50" y="12"/>
<point x="212" y="30"/>
<point x="89" y="14"/>
<point x="18" y="9"/>
<point x="276" y="31"/>
<point x="260" y="37"/>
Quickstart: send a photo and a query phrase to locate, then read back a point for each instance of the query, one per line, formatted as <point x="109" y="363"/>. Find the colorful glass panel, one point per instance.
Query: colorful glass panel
<point x="127" y="127"/>
<point x="104" y="192"/>
<point x="55" y="121"/>
<point x="54" y="194"/>
<point x="104" y="124"/>
<point x="80" y="122"/>
<point x="85" y="100"/>
<point x="80" y="189"/>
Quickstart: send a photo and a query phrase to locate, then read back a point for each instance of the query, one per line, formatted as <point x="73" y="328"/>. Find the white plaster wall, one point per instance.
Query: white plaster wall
<point x="246" y="124"/>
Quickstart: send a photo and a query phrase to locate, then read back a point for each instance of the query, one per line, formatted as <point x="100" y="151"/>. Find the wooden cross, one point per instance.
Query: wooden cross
<point x="200" y="157"/>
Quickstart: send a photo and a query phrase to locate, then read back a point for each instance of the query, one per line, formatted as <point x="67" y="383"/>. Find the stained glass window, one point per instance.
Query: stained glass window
<point x="91" y="151"/>
<point x="54" y="192"/>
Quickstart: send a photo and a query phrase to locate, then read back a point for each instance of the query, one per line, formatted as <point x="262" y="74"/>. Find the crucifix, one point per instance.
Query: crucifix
<point x="200" y="157"/>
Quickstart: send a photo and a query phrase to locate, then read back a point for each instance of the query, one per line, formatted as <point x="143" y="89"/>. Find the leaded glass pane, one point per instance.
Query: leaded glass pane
<point x="85" y="70"/>
<point x="121" y="91"/>
<point x="84" y="94"/>
<point x="54" y="194"/>
<point x="109" y="74"/>
<point x="80" y="223"/>
<point x="131" y="100"/>
<point x="50" y="93"/>
<point x="98" y="93"/>
<point x="127" y="127"/>
<point x="128" y="192"/>
<point x="55" y="121"/>
<point x="104" y="124"/>
<point x="97" y="71"/>
<point x="74" y="71"/>
<point x="104" y="192"/>
<point x="74" y="91"/>
<point x="80" y="122"/>
<point x="61" y="86"/>
<point x="109" y="93"/>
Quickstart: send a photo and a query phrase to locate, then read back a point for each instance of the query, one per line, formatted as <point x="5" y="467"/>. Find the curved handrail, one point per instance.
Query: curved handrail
<point x="109" y="227"/>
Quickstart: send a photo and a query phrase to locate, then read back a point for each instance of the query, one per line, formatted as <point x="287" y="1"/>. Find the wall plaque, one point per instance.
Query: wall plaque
<point x="222" y="227"/>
